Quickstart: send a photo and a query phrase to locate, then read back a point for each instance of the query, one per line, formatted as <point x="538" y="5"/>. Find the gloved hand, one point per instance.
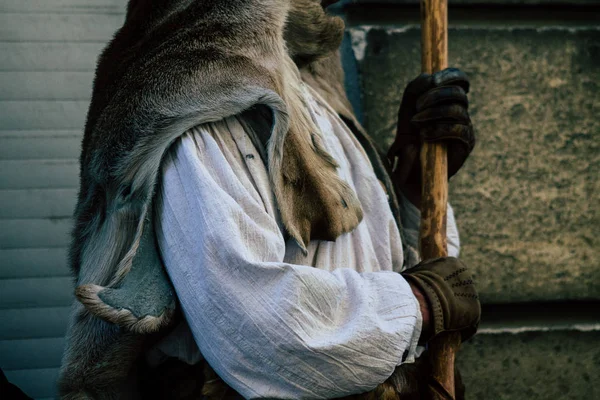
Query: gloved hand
<point x="448" y="288"/>
<point x="434" y="109"/>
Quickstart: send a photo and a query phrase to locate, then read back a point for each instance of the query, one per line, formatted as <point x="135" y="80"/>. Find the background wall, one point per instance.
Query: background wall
<point x="527" y="199"/>
<point x="526" y="202"/>
<point x="48" y="51"/>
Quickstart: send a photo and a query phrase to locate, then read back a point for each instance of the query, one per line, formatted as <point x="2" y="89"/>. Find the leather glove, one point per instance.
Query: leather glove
<point x="434" y="108"/>
<point x="449" y="290"/>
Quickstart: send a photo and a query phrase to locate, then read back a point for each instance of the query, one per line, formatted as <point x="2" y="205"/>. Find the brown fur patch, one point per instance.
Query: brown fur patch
<point x="311" y="33"/>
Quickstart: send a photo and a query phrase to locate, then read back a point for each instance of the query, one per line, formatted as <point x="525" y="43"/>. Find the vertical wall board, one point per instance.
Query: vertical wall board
<point x="33" y="323"/>
<point x="48" y="56"/>
<point x="33" y="262"/>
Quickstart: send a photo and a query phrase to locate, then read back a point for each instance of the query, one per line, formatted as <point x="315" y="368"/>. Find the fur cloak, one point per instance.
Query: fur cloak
<point x="176" y="64"/>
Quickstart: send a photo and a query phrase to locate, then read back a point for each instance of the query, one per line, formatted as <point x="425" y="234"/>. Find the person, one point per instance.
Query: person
<point x="234" y="215"/>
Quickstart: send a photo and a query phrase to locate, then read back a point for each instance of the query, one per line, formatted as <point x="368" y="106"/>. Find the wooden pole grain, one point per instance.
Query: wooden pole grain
<point x="434" y="163"/>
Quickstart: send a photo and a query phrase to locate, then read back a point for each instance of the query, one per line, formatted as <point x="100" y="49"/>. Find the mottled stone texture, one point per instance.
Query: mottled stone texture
<point x="527" y="199"/>
<point x="474" y="2"/>
<point x="532" y="366"/>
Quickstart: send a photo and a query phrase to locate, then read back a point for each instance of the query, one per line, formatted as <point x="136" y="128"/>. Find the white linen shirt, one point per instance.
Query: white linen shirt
<point x="272" y="321"/>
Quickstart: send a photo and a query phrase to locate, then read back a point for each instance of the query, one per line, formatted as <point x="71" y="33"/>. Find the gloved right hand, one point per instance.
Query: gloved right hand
<point x="451" y="296"/>
<point x="434" y="109"/>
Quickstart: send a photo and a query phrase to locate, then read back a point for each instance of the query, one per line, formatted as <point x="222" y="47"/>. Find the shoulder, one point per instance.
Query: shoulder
<point x="214" y="147"/>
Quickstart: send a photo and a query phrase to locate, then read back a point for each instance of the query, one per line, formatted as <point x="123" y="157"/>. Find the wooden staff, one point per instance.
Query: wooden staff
<point x="434" y="163"/>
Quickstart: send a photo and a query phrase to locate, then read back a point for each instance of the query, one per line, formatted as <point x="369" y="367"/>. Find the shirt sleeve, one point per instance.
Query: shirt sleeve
<point x="271" y="329"/>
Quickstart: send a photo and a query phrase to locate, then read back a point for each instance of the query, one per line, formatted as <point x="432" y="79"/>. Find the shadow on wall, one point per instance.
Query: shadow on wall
<point x="10" y="391"/>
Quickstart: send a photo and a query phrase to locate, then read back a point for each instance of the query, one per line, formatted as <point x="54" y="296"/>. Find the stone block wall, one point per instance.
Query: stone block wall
<point x="527" y="199"/>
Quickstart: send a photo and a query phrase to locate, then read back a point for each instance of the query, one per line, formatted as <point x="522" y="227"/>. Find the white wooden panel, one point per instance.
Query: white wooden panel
<point x="40" y="133"/>
<point x="57" y="85"/>
<point x="49" y="56"/>
<point x="37" y="203"/>
<point x="16" y="27"/>
<point x="33" y="323"/>
<point x="24" y="233"/>
<point x="39" y="148"/>
<point x="36" y="292"/>
<point x="36" y="383"/>
<point x="66" y="6"/>
<point x="33" y="263"/>
<point x="43" y="114"/>
<point x="31" y="353"/>
<point x="48" y="52"/>
<point x="39" y="174"/>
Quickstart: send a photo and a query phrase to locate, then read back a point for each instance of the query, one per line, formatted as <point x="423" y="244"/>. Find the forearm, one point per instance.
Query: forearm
<point x="413" y="193"/>
<point x="411" y="221"/>
<point x="302" y="334"/>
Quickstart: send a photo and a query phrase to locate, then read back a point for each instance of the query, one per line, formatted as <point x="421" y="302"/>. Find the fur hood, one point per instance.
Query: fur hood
<point x="173" y="65"/>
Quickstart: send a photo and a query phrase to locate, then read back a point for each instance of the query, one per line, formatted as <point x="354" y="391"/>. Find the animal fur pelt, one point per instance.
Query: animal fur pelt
<point x="173" y="65"/>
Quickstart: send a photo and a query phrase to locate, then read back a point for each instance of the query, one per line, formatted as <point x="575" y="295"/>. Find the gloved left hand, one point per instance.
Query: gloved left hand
<point x="453" y="302"/>
<point x="434" y="109"/>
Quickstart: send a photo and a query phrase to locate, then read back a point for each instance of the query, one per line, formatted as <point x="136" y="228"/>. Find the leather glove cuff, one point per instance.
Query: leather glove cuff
<point x="448" y="287"/>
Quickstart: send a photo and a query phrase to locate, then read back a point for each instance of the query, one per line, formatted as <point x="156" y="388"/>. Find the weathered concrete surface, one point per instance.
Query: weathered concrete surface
<point x="527" y="199"/>
<point x="476" y="2"/>
<point x="532" y="366"/>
